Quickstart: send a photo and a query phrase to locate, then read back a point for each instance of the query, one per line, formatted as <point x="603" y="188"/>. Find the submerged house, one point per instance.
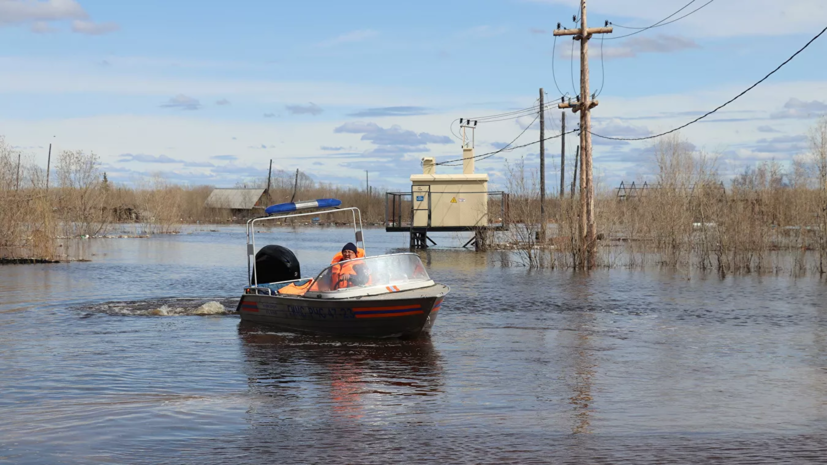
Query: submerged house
<point x="239" y="202"/>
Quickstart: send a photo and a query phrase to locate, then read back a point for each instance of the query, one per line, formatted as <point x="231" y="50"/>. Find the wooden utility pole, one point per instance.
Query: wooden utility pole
<point x="19" y="154"/>
<point x="574" y="177"/>
<point x="542" y="169"/>
<point x="563" y="157"/>
<point x="269" y="176"/>
<point x="48" y="166"/>
<point x="584" y="105"/>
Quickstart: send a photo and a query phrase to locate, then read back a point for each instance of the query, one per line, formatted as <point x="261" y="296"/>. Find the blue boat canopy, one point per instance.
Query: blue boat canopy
<point x="293" y="206"/>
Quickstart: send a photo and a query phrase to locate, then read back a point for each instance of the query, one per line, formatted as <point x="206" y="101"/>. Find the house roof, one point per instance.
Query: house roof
<point x="236" y="199"/>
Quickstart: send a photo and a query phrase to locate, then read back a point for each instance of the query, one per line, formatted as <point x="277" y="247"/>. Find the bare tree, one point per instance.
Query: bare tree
<point x="82" y="196"/>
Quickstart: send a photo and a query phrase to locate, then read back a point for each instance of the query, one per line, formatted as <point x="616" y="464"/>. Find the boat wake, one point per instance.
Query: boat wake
<point x="164" y="307"/>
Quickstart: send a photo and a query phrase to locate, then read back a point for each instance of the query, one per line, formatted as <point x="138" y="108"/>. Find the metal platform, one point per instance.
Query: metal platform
<point x="400" y="211"/>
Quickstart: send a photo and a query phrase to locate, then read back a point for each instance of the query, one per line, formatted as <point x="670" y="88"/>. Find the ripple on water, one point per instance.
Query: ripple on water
<point x="161" y="307"/>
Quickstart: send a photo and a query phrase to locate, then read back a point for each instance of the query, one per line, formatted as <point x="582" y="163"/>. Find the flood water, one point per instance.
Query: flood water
<point x="136" y="357"/>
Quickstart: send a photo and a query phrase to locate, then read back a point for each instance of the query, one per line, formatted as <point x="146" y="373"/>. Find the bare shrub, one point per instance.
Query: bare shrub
<point x="27" y="222"/>
<point x="82" y="194"/>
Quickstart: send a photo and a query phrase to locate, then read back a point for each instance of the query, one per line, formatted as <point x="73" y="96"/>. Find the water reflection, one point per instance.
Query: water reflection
<point x="583" y="366"/>
<point x="302" y="376"/>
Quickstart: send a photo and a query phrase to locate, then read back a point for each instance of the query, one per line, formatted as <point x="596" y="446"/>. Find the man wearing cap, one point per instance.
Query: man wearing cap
<point x="351" y="272"/>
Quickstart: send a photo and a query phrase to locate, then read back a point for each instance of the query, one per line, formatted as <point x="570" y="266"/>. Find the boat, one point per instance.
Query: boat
<point x="394" y="298"/>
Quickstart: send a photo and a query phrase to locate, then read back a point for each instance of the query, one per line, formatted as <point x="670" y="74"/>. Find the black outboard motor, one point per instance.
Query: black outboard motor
<point x="275" y="263"/>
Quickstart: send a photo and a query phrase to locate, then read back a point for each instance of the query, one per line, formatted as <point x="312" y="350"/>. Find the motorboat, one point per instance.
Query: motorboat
<point x="393" y="297"/>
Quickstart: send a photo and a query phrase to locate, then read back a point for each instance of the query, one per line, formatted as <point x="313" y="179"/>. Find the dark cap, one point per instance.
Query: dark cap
<point x="350" y="246"/>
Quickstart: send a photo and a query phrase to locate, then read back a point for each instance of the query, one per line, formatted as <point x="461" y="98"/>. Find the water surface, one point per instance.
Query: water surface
<point x="136" y="357"/>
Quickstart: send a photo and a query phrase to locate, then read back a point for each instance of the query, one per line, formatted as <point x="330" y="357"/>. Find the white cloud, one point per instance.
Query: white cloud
<point x="795" y="108"/>
<point x="93" y="28"/>
<point x="25" y="11"/>
<point x="349" y="37"/>
<point x="40" y="14"/>
<point x="311" y="109"/>
<point x="182" y="102"/>
<point x="42" y="27"/>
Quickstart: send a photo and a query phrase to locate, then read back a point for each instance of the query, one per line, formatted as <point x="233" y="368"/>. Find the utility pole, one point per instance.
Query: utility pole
<point x="367" y="191"/>
<point x="563" y="157"/>
<point x="269" y="176"/>
<point x="588" y="233"/>
<point x="574" y="177"/>
<point x="48" y="165"/>
<point x="542" y="169"/>
<point x="17" y="188"/>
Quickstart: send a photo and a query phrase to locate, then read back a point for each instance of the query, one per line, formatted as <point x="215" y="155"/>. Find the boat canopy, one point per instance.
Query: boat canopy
<point x="382" y="273"/>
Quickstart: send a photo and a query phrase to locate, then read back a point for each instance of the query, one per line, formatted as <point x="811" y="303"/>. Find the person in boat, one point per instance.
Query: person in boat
<point x="352" y="272"/>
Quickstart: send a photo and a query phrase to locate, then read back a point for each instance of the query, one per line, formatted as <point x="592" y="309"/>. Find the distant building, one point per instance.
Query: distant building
<point x="240" y="202"/>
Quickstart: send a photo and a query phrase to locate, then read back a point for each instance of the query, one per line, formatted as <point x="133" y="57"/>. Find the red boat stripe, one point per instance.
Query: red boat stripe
<point x="398" y="307"/>
<point x="388" y="315"/>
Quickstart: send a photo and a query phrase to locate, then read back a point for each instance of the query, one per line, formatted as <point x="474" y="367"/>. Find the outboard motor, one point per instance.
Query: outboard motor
<point x="275" y="263"/>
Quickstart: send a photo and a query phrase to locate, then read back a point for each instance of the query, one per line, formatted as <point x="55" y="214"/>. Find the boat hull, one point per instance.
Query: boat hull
<point x="399" y="314"/>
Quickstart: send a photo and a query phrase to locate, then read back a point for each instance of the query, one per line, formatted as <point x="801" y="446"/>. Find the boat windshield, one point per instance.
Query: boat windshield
<point x="383" y="270"/>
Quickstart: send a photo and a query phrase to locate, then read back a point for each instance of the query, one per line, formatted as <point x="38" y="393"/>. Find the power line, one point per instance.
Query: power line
<point x="571" y="57"/>
<point x="553" y="73"/>
<point x="509" y="149"/>
<point x="661" y="22"/>
<point x="724" y="104"/>
<point x="500" y="150"/>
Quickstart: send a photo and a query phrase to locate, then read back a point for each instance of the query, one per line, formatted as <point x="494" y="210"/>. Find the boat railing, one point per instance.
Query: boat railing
<point x="356" y="214"/>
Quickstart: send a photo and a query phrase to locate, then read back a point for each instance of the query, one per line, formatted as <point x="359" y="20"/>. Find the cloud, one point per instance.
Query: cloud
<point x="93" y="28"/>
<point x="391" y="111"/>
<point x="393" y="135"/>
<point x="349" y="37"/>
<point x="42" y="27"/>
<point x="790" y="145"/>
<point x="197" y="164"/>
<point x="269" y="115"/>
<point x="616" y="128"/>
<point x="330" y="149"/>
<point x="16" y="12"/>
<point x="634" y="46"/>
<point x="795" y="108"/>
<point x="182" y="102"/>
<point x="260" y="147"/>
<point x="767" y="129"/>
<point x="224" y="157"/>
<point x="142" y="158"/>
<point x="311" y="109"/>
<point x="222" y="102"/>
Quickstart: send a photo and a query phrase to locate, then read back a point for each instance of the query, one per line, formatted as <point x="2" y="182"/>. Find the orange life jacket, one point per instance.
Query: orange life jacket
<point x="345" y="275"/>
<point x="292" y="289"/>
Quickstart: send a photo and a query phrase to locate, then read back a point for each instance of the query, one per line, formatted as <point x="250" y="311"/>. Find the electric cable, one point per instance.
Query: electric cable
<point x="661" y="22"/>
<point x="725" y="103"/>
<point x="501" y="149"/>
<point x="553" y="73"/>
<point x="491" y="154"/>
<point x="571" y="68"/>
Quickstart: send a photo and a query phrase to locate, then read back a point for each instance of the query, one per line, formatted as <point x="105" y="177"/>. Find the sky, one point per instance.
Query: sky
<point x="209" y="91"/>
